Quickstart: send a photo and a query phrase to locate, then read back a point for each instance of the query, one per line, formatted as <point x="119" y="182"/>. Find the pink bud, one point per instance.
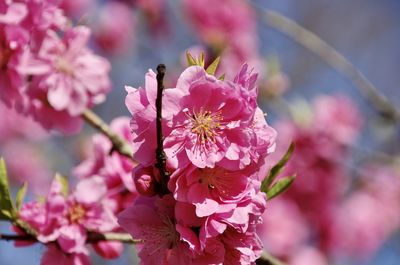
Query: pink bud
<point x="109" y="249"/>
<point x="144" y="180"/>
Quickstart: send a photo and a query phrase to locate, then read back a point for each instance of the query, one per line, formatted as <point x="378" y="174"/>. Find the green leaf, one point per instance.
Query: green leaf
<point x="275" y="170"/>
<point x="64" y="183"/>
<point x="190" y="59"/>
<point x="280" y="186"/>
<point x="213" y="66"/>
<point x="222" y="77"/>
<point x="19" y="199"/>
<point x="201" y="60"/>
<point x="7" y="211"/>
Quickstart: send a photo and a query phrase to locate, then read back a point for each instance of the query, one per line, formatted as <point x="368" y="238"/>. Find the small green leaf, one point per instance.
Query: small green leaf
<point x="19" y="199"/>
<point x="7" y="211"/>
<point x="201" y="60"/>
<point x="222" y="77"/>
<point x="280" y="186"/>
<point x="275" y="170"/>
<point x="213" y="66"/>
<point x="190" y="60"/>
<point x="64" y="183"/>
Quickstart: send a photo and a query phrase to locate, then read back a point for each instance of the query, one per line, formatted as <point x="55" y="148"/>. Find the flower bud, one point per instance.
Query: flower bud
<point x="145" y="181"/>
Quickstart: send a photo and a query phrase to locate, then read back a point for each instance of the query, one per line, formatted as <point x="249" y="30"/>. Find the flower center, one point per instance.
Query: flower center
<point x="63" y="66"/>
<point x="215" y="179"/>
<point x="205" y="124"/>
<point x="76" y="213"/>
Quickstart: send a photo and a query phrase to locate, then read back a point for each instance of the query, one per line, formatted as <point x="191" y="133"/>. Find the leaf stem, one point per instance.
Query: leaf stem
<point x="119" y="144"/>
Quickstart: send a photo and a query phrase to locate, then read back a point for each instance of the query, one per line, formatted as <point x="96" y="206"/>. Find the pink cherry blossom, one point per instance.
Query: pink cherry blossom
<point x="26" y="163"/>
<point x="64" y="69"/>
<point x="54" y="255"/>
<point x="114" y="34"/>
<point x="13" y="39"/>
<point x="108" y="249"/>
<point x="284" y="228"/>
<point x="210" y="121"/>
<point x="64" y="83"/>
<point x="308" y="255"/>
<point x="152" y="220"/>
<point x="75" y="8"/>
<point x="66" y="220"/>
<point x="115" y="169"/>
<point x="229" y="26"/>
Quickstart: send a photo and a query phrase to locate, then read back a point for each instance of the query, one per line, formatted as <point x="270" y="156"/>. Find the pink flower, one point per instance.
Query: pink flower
<point x="229" y="26"/>
<point x="152" y="220"/>
<point x="223" y="21"/>
<point x="115" y="169"/>
<point x="109" y="249"/>
<point x="114" y="34"/>
<point x="75" y="8"/>
<point x="358" y="231"/>
<point x="341" y="112"/>
<point x="64" y="76"/>
<point x="12" y="42"/>
<point x="210" y="122"/>
<point x="15" y="125"/>
<point x="25" y="163"/>
<point x="309" y="256"/>
<point x="12" y="13"/>
<point x="54" y="255"/>
<point x="241" y="248"/>
<point x="284" y="228"/>
<point x="67" y="220"/>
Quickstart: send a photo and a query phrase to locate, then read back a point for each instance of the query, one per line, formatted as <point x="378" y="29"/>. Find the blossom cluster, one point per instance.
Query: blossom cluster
<point x="323" y="215"/>
<point x="46" y="69"/>
<point x="216" y="141"/>
<point x="64" y="221"/>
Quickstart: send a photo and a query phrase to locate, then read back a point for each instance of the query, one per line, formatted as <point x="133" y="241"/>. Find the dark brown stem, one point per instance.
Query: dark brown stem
<point x="160" y="154"/>
<point x="119" y="144"/>
<point x="92" y="238"/>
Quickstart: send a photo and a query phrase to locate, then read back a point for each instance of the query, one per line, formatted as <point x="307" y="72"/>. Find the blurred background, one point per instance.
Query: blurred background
<point x="344" y="207"/>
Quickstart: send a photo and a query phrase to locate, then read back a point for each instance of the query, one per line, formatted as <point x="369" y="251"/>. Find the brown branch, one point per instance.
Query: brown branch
<point x="268" y="259"/>
<point x="119" y="144"/>
<point x="336" y="60"/>
<point x="160" y="154"/>
<point x="92" y="238"/>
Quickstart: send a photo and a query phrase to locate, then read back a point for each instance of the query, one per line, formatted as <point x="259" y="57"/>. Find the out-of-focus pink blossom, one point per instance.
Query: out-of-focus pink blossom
<point x="12" y="42"/>
<point x="15" y="125"/>
<point x="228" y="26"/>
<point x="67" y="220"/>
<point x="115" y="169"/>
<point x="71" y="75"/>
<point x="53" y="255"/>
<point x="358" y="230"/>
<point x="340" y="115"/>
<point x="284" y="228"/>
<point x="115" y="34"/>
<point x="155" y="11"/>
<point x="75" y="8"/>
<point x="109" y="249"/>
<point x="309" y="256"/>
<point x="25" y="163"/>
